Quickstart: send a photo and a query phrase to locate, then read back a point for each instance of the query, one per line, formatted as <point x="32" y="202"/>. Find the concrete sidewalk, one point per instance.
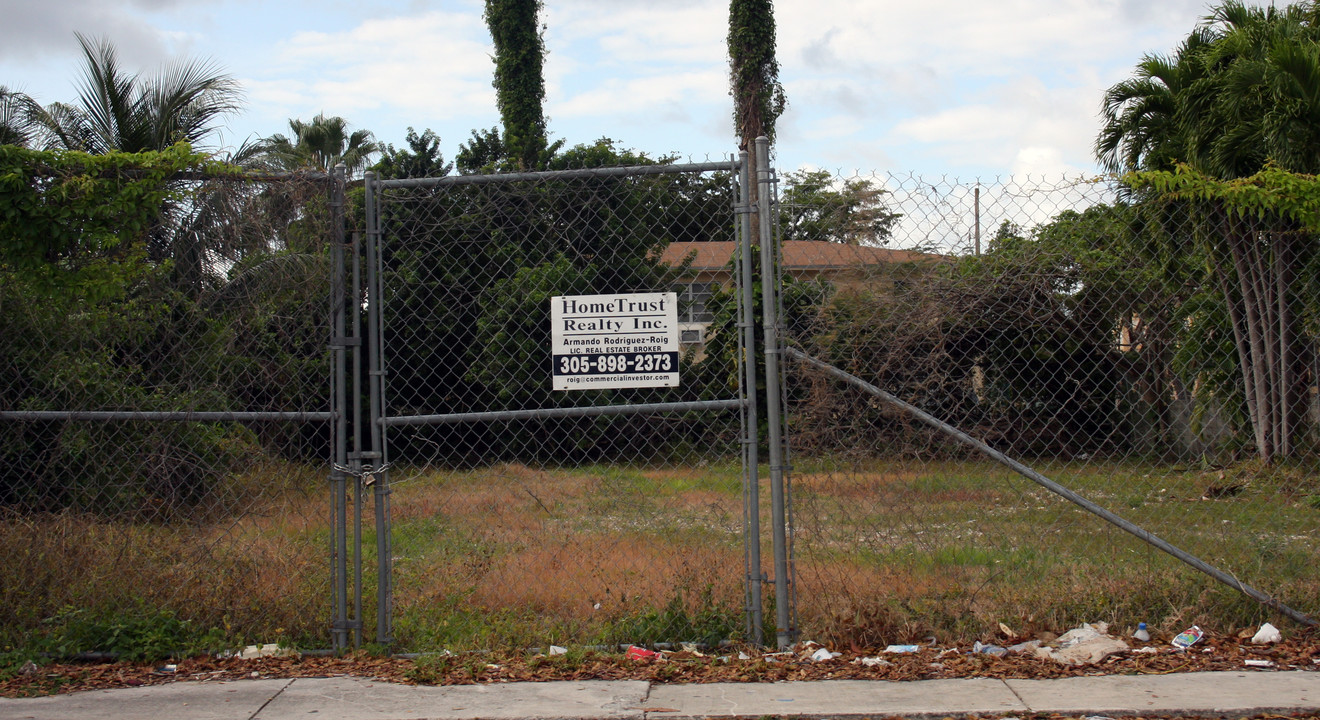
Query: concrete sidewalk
<point x="1215" y="693"/>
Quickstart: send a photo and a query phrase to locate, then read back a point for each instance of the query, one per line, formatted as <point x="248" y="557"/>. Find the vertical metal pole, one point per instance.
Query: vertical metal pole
<point x="976" y="205"/>
<point x="356" y="459"/>
<point x="770" y="326"/>
<point x="338" y="572"/>
<point x="751" y="434"/>
<point x="384" y="561"/>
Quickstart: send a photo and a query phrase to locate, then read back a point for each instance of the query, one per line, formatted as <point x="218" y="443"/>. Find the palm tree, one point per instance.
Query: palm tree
<point x="118" y="111"/>
<point x="321" y="144"/>
<point x="1145" y="116"/>
<point x="1241" y="92"/>
<point x="16" y="117"/>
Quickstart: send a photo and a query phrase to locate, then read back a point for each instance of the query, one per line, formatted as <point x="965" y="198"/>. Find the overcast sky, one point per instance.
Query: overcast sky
<point x="941" y="87"/>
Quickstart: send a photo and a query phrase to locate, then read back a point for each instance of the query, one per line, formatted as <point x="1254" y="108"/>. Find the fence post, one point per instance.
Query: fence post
<point x="355" y="459"/>
<point x="755" y="577"/>
<point x="339" y="427"/>
<point x="976" y="211"/>
<point x="770" y="324"/>
<point x="376" y="385"/>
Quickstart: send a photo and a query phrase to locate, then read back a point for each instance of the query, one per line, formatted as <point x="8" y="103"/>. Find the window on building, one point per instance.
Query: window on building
<point x="692" y="302"/>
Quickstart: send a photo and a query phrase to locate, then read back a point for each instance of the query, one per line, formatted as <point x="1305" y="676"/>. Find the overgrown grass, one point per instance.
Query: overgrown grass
<point x="901" y="550"/>
<point x="250" y="567"/>
<point x="512" y="556"/>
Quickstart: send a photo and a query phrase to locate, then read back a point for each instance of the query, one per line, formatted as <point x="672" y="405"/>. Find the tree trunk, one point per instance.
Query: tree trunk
<point x="1265" y="332"/>
<point x="1238" y="321"/>
<point x="1253" y="362"/>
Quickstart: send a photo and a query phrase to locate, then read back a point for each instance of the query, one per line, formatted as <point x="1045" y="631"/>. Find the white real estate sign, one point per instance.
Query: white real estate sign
<point x="614" y="341"/>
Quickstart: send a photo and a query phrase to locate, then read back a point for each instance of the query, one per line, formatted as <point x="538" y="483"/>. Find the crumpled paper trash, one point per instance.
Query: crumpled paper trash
<point x="252" y="652"/>
<point x="1267" y="634"/>
<point x="1084" y="645"/>
<point x="821" y="655"/>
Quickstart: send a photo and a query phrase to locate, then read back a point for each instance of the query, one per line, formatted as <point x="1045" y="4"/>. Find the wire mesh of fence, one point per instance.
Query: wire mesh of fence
<point x="1155" y="357"/>
<point x="164" y="408"/>
<point x="1120" y="387"/>
<point x="607" y="511"/>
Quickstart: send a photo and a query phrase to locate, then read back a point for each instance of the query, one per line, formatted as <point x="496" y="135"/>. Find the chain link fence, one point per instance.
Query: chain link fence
<point x="171" y="409"/>
<point x="1155" y="358"/>
<point x="164" y="411"/>
<point x="609" y="511"/>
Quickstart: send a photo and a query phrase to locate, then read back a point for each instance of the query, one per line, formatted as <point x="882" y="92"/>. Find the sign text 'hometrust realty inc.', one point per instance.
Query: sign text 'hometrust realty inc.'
<point x="614" y="341"/>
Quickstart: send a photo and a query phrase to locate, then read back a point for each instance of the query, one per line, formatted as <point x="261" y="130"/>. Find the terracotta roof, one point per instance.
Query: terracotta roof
<point x="798" y="255"/>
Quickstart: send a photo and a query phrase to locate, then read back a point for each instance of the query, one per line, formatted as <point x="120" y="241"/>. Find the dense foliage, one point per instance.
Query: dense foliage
<point x="470" y="270"/>
<point x="94" y="318"/>
<point x="1237" y="99"/>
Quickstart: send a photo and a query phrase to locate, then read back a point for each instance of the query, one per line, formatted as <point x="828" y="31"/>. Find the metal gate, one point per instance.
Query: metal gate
<point x="509" y="513"/>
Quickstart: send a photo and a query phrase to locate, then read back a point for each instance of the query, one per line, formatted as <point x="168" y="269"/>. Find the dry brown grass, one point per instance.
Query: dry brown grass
<point x="260" y="573"/>
<point x="884" y="554"/>
<point x="553" y="543"/>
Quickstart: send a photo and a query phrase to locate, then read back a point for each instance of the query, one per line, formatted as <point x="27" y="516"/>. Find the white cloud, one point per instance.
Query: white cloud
<point x="638" y="34"/>
<point x="641" y="95"/>
<point x="424" y="68"/>
<point x="943" y="86"/>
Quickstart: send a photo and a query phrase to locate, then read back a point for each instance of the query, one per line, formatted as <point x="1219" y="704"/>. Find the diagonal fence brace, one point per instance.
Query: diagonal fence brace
<point x="1063" y="492"/>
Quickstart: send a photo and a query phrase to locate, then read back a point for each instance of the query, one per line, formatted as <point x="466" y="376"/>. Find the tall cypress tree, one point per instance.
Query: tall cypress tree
<point x="519" y="85"/>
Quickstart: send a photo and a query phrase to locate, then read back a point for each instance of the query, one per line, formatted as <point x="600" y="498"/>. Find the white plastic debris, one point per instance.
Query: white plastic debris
<point x="556" y="650"/>
<point x="821" y="655"/>
<point x="1253" y="662"/>
<point x="267" y="650"/>
<point x="1027" y="646"/>
<point x="1083" y="645"/>
<point x="1266" y="635"/>
<point x="902" y="648"/>
<point x="871" y="661"/>
<point x="982" y="648"/>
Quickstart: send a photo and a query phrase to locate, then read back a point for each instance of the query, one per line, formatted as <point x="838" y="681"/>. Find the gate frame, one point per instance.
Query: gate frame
<point x="378" y="469"/>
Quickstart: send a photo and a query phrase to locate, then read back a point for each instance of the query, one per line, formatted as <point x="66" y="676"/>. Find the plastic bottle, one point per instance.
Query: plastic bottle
<point x="1141" y="633"/>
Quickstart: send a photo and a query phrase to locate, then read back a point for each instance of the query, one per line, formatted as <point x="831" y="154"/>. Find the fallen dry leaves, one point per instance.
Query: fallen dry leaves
<point x="1213" y="653"/>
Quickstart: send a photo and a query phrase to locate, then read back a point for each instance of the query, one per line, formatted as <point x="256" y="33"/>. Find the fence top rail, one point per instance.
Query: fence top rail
<point x="165" y="415"/>
<point x="732" y="165"/>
